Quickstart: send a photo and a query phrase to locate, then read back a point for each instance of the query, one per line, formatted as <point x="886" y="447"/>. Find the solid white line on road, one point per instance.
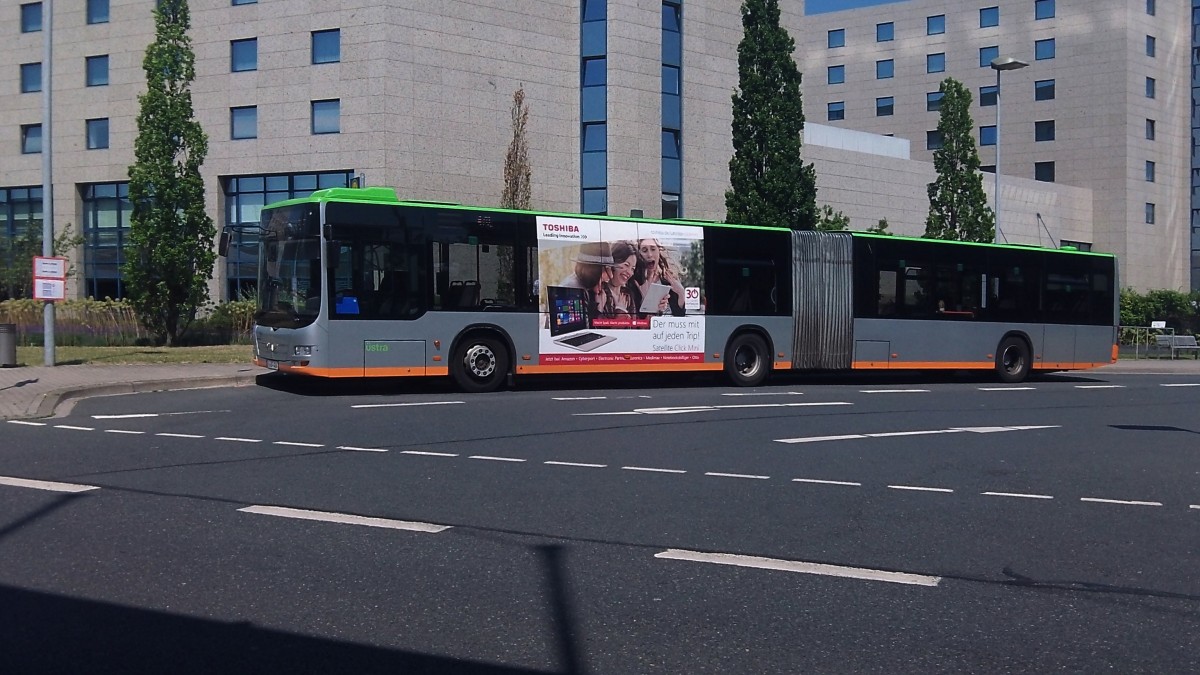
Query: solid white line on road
<point x="1122" y="502"/>
<point x="818" y="439"/>
<point x="582" y="464"/>
<point x="765" y="393"/>
<point x="1182" y="384"/>
<point x="1007" y="388"/>
<point x="344" y="518"/>
<point x="353" y="448"/>
<point x="652" y="469"/>
<point x="122" y="431"/>
<point x="800" y="567"/>
<point x="1099" y="386"/>
<point x="710" y="408"/>
<point x="735" y="475"/>
<point x="1016" y="494"/>
<point x="50" y="486"/>
<point x="73" y="428"/>
<point x="496" y="459"/>
<point x="826" y="482"/>
<point x="601" y="414"/>
<point x="919" y="489"/>
<point x="405" y="405"/>
<point x="578" y="398"/>
<point x="1194" y="506"/>
<point x="891" y="434"/>
<point x="123" y="417"/>
<point x="299" y="445"/>
<point x="428" y="453"/>
<point x="179" y="435"/>
<point x="893" y="391"/>
<point x="888" y="434"/>
<point x="235" y="439"/>
<point x="28" y="424"/>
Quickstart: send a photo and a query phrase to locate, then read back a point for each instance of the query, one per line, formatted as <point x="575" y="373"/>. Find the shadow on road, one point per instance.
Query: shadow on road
<point x="1150" y="427"/>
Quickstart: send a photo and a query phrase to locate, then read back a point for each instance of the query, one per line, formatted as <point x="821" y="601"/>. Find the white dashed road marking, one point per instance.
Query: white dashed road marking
<point x="1182" y="384"/>
<point x="580" y="464"/>
<point x="918" y="488"/>
<point x="826" y="482"/>
<point x="1099" y="386"/>
<point x="28" y="424"/>
<point x="73" y="428"/>
<point x="652" y="469"/>
<point x="800" y="567"/>
<point x="496" y="459"/>
<point x="887" y="434"/>
<point x="893" y="391"/>
<point x="427" y="453"/>
<point x="709" y="408"/>
<point x="123" y="431"/>
<point x="299" y="445"/>
<point x="353" y="448"/>
<point x="1122" y="502"/>
<point x="735" y="475"/>
<point x="405" y="405"/>
<point x="1007" y="388"/>
<point x="345" y="518"/>
<point x="179" y="435"/>
<point x="235" y="439"/>
<point x="1016" y="494"/>
<point x="50" y="486"/>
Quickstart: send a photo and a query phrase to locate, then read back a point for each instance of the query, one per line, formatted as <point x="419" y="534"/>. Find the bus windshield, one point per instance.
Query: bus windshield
<point x="289" y="275"/>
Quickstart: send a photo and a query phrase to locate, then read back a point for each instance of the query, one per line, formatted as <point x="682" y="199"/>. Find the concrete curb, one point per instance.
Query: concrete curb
<point x="60" y="401"/>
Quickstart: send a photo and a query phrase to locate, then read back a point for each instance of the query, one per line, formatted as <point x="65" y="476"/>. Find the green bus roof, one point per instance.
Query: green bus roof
<point x="387" y="196"/>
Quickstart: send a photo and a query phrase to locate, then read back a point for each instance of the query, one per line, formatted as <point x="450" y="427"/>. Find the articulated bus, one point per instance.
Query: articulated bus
<point x="354" y="282"/>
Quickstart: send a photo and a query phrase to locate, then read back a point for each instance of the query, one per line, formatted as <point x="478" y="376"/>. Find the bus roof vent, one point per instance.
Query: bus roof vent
<point x="431" y="202"/>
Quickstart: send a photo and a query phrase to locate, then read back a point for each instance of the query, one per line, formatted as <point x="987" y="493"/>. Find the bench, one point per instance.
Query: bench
<point x="1178" y="343"/>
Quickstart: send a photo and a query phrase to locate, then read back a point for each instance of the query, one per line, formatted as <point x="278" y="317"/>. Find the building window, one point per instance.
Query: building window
<point x="31" y="77"/>
<point x="884" y="106"/>
<point x="988" y="95"/>
<point x="1150" y="167"/>
<point x="885" y="69"/>
<point x="835" y="111"/>
<point x="243" y="55"/>
<point x="672" y="111"/>
<point x="595" y="80"/>
<point x="1043" y="9"/>
<point x="96" y="68"/>
<point x="935" y="63"/>
<point x="106" y="213"/>
<point x="885" y="32"/>
<point x="97" y="11"/>
<point x="244" y="2"/>
<point x="243" y="122"/>
<point x="987" y="54"/>
<point x="933" y="140"/>
<point x="987" y="135"/>
<point x="837" y="38"/>
<point x="1151" y="46"/>
<point x="836" y="74"/>
<point x="1150" y="130"/>
<point x="935" y="25"/>
<point x="97" y="134"/>
<point x="1043" y="90"/>
<point x="594" y="100"/>
<point x="1043" y="49"/>
<point x="20" y="218"/>
<point x="1043" y="130"/>
<point x="1150" y="8"/>
<point x="933" y="101"/>
<point x="1043" y="171"/>
<point x="1150" y="87"/>
<point x="326" y="46"/>
<point x="594" y="171"/>
<point x="31" y="139"/>
<point x="1084" y="246"/>
<point x="1149" y="213"/>
<point x="989" y="16"/>
<point x="326" y="116"/>
<point x="987" y="168"/>
<point x="31" y="17"/>
<point x="672" y="155"/>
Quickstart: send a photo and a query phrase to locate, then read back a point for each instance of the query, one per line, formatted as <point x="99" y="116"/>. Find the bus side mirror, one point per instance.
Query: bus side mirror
<point x="223" y="242"/>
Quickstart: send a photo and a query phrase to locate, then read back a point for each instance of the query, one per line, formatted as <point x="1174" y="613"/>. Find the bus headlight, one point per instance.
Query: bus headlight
<point x="302" y="350"/>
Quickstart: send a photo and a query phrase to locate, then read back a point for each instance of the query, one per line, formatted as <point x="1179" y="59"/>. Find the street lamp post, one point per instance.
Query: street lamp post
<point x="999" y="64"/>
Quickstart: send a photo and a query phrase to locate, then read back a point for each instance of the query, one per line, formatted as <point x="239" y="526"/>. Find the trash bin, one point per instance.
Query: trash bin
<point x="8" y="345"/>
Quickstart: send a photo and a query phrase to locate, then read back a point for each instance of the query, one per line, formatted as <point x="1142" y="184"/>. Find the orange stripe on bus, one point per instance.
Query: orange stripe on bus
<point x="621" y="368"/>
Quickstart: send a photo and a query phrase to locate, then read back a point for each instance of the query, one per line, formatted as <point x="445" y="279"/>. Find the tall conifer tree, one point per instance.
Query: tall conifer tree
<point x="958" y="207"/>
<point x="170" y="252"/>
<point x="769" y="182"/>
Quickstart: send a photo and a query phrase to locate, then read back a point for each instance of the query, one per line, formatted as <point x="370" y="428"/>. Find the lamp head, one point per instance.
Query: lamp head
<point x="1007" y="63"/>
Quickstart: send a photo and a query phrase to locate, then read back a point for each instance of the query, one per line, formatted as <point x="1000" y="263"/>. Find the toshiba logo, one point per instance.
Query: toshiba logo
<point x="557" y="227"/>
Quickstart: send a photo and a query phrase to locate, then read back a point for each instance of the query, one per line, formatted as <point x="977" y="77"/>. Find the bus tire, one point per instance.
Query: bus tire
<point x="479" y="364"/>
<point x="747" y="361"/>
<point x="1013" y="361"/>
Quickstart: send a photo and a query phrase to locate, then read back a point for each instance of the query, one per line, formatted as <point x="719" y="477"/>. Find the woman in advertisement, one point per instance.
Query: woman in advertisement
<point x="655" y="267"/>
<point x="624" y="293"/>
<point x="593" y="273"/>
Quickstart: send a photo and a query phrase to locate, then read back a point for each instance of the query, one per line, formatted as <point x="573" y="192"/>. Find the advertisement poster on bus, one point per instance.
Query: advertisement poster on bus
<point x="620" y="292"/>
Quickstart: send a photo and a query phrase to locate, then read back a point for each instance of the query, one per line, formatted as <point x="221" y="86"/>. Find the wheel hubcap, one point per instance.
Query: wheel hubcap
<point x="481" y="361"/>
<point x="746" y="361"/>
<point x="1012" y="359"/>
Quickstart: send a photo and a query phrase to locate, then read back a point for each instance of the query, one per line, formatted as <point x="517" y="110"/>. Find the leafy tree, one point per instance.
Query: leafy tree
<point x="170" y="254"/>
<point x="770" y="184"/>
<point x="830" y="220"/>
<point x="17" y="254"/>
<point x="880" y="228"/>
<point x="958" y="208"/>
<point x="517" y="172"/>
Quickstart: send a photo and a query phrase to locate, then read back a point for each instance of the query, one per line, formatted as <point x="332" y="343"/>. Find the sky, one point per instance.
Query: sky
<point x="822" y="6"/>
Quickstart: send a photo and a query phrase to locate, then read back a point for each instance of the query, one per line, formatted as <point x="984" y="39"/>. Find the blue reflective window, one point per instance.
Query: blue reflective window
<point x="986" y="55"/>
<point x="31" y="138"/>
<point x="933" y="101"/>
<point x="1043" y="130"/>
<point x="670" y="80"/>
<point x="97" y="70"/>
<point x="1151" y="46"/>
<point x="326" y="116"/>
<point x="987" y="135"/>
<point x="595" y="72"/>
<point x="594" y="170"/>
<point x="594" y="10"/>
<point x="987" y="96"/>
<point x="1043" y="49"/>
<point x="670" y="18"/>
<point x="326" y="46"/>
<point x="1043" y="171"/>
<point x="243" y="55"/>
<point x="885" y="32"/>
<point x="672" y="175"/>
<point x="933" y="140"/>
<point x="594" y="104"/>
<point x="594" y="39"/>
<point x="31" y="18"/>
<point x="595" y="201"/>
<point x="884" y="106"/>
<point x="245" y="2"/>
<point x="1149" y="213"/>
<point x="1043" y="9"/>
<point x="97" y="134"/>
<point x="837" y="38"/>
<point x="595" y="137"/>
<point x="97" y="11"/>
<point x="935" y="63"/>
<point x="935" y="25"/>
<point x="836" y="74"/>
<point x="1043" y="90"/>
<point x="1150" y="87"/>
<point x="989" y="16"/>
<point x="671" y="144"/>
<point x="672" y="111"/>
<point x="885" y="69"/>
<point x="243" y="122"/>
<point x="835" y="111"/>
<point x="672" y="48"/>
<point x="31" y="77"/>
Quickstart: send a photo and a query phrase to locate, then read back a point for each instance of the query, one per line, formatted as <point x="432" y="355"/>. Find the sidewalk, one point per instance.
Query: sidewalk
<point x="41" y="391"/>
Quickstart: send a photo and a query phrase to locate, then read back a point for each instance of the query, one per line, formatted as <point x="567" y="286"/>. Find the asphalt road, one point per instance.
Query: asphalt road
<point x="645" y="526"/>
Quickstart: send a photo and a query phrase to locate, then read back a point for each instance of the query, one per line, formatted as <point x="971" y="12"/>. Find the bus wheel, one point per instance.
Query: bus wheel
<point x="1012" y="360"/>
<point x="747" y="362"/>
<point x="480" y="364"/>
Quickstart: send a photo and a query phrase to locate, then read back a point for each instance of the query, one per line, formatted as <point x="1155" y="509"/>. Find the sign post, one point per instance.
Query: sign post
<point x="49" y="278"/>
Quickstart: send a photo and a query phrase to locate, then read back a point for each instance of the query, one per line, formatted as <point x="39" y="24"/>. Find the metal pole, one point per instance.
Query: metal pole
<point x="996" y="198"/>
<point x="47" y="172"/>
